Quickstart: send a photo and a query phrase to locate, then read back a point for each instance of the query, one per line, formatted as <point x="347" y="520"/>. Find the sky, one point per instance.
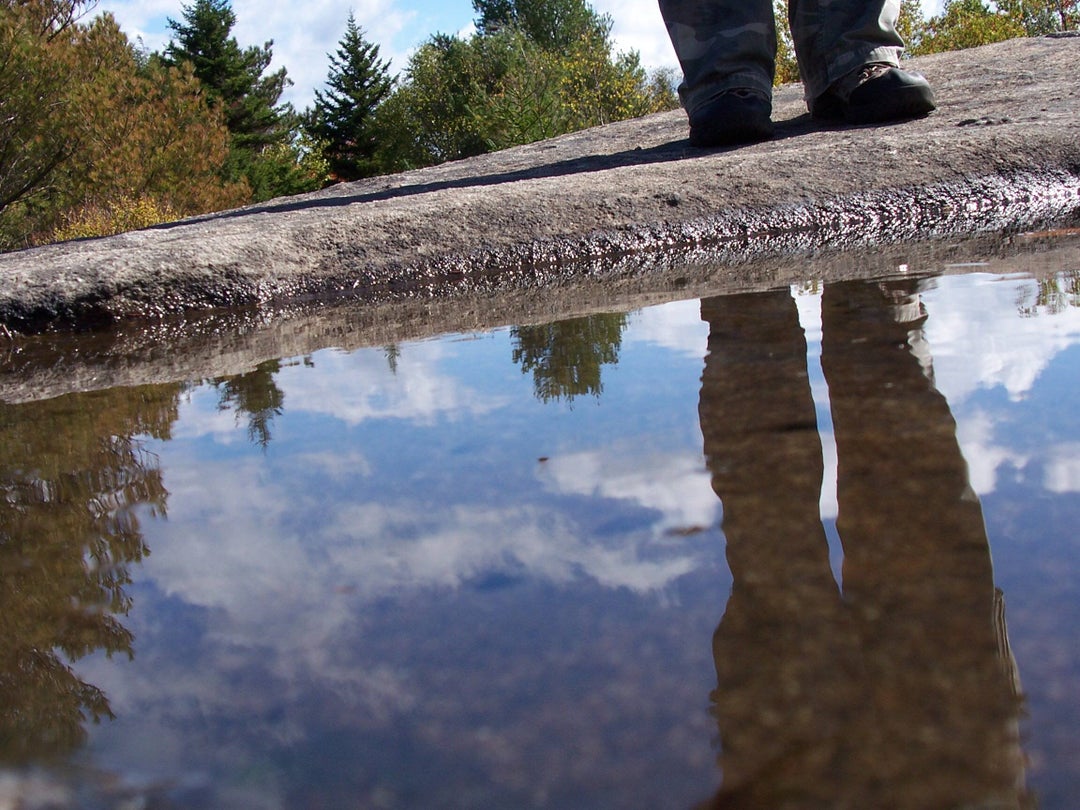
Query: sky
<point x="304" y="37"/>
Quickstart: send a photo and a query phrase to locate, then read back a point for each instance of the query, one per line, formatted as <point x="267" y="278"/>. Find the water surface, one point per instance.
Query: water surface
<point x="805" y="547"/>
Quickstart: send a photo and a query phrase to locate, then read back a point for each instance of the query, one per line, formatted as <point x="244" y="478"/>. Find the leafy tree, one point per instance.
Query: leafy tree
<point x="431" y="118"/>
<point x="554" y="25"/>
<point x="601" y="87"/>
<point x="37" y="67"/>
<point x="911" y="25"/>
<point x="966" y="24"/>
<point x="343" y="116"/>
<point x="150" y="130"/>
<point x="520" y="78"/>
<point x="787" y="66"/>
<point x="1041" y="17"/>
<point x="262" y="130"/>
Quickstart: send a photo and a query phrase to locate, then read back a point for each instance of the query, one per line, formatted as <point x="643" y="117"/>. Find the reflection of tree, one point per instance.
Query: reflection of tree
<point x="257" y="395"/>
<point x="392" y="352"/>
<point x="565" y="357"/>
<point x="73" y="471"/>
<point x="1053" y="295"/>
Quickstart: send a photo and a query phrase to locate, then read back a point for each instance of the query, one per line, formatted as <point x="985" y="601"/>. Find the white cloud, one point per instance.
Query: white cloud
<point x="676" y="326"/>
<point x="638" y="26"/>
<point x="975" y="434"/>
<point x="1063" y="468"/>
<point x="977" y="345"/>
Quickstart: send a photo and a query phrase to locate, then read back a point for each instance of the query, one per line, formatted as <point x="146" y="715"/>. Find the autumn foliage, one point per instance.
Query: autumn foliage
<point x="90" y="125"/>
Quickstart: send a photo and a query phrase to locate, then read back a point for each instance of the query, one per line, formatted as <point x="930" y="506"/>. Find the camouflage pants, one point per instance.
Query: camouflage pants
<point x="726" y="44"/>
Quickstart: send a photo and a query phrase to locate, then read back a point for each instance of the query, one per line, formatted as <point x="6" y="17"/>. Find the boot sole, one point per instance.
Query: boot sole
<point x="899" y="104"/>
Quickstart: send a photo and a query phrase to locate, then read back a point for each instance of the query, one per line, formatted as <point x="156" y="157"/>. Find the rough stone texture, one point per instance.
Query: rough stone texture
<point x="1003" y="151"/>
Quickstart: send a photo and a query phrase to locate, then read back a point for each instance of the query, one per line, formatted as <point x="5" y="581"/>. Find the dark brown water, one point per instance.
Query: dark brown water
<point x="795" y="548"/>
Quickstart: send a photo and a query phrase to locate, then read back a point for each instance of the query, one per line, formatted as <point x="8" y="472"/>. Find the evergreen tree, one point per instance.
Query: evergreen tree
<point x="233" y="76"/>
<point x="343" y="118"/>
<point x="262" y="130"/>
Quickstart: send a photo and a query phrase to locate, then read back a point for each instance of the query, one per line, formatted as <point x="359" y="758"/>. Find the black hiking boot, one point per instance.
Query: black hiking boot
<point x="875" y="93"/>
<point x="732" y="117"/>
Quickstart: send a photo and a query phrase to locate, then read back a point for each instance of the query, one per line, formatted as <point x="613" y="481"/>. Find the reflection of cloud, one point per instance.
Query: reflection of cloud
<point x="976" y="343"/>
<point x="676" y="486"/>
<point x="975" y="434"/>
<point x="360" y="385"/>
<point x="288" y="581"/>
<point x="387" y="550"/>
<point x="269" y="553"/>
<point x="1063" y="468"/>
<point x="676" y="326"/>
<point x="351" y="387"/>
<point x="201" y="416"/>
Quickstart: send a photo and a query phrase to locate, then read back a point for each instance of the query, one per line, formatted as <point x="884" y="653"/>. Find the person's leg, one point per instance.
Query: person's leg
<point x="848" y="53"/>
<point x="727" y="51"/>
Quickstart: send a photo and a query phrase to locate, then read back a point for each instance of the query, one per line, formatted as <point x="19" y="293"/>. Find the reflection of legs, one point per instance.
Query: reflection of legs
<point x="917" y="571"/>
<point x="778" y="695"/>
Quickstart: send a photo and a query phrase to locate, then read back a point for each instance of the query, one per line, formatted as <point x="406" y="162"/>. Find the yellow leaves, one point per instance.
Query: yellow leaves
<point x="125" y="213"/>
<point x="965" y="24"/>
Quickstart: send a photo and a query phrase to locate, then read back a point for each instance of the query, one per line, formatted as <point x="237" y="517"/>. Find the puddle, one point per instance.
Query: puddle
<point x="803" y="547"/>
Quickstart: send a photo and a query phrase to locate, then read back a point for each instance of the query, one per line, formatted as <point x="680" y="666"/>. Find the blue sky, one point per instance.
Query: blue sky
<point x="304" y="35"/>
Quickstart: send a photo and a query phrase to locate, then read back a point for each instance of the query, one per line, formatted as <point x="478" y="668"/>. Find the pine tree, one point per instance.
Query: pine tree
<point x="343" y="116"/>
<point x="261" y="129"/>
<point x="232" y="76"/>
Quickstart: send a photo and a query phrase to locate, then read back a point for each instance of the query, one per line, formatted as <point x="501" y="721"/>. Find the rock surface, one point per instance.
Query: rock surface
<point x="1002" y="153"/>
